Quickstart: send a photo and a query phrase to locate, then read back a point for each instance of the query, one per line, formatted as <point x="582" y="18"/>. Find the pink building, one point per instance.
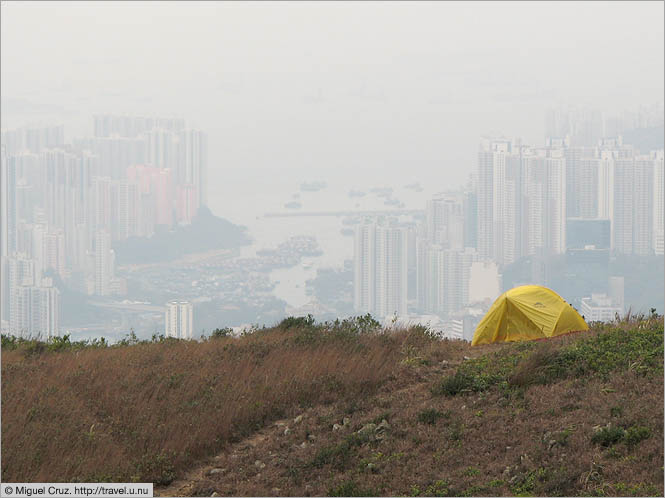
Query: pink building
<point x="158" y="185"/>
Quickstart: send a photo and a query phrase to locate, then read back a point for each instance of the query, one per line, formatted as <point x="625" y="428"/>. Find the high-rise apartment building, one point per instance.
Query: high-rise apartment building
<point x="33" y="304"/>
<point x="4" y="204"/>
<point x="599" y="308"/>
<point x="102" y="207"/>
<point x="193" y="163"/>
<point x="35" y="311"/>
<point x="500" y="200"/>
<point x="444" y="217"/>
<point x="128" y="211"/>
<point x="605" y="195"/>
<point x="104" y="263"/>
<point x="53" y="256"/>
<point x="443" y="278"/>
<point x="380" y="269"/>
<point x="491" y="177"/>
<point x="642" y="208"/>
<point x="364" y="274"/>
<point x="4" y="235"/>
<point x="633" y="205"/>
<point x="391" y="271"/>
<point x="18" y="270"/>
<point x="544" y="202"/>
<point x="179" y="319"/>
<point x="521" y="199"/>
<point x="33" y="139"/>
<point x="658" y="202"/>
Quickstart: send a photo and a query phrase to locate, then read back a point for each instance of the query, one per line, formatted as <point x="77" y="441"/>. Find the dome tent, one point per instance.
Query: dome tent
<point x="525" y="313"/>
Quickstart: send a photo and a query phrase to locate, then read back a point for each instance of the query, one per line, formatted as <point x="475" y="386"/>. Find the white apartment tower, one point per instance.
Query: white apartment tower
<point x="193" y="163"/>
<point x="53" y="252"/>
<point x="499" y="200"/>
<point x="36" y="311"/>
<point x="179" y="318"/>
<point x="4" y="204"/>
<point x="380" y="270"/>
<point x="391" y="271"/>
<point x="34" y="304"/>
<point x="658" y="204"/>
<point x="443" y="278"/>
<point x="444" y="218"/>
<point x="364" y="263"/>
<point x="642" y="210"/>
<point x="544" y="221"/>
<point x="128" y="210"/>
<point x="605" y="185"/>
<point x="4" y="235"/>
<point x="104" y="263"/>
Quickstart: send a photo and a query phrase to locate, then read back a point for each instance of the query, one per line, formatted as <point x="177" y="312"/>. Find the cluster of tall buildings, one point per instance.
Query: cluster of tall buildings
<point x="526" y="196"/>
<point x="65" y="204"/>
<point x="607" y="198"/>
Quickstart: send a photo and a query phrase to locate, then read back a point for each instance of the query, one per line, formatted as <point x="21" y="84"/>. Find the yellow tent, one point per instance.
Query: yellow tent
<point x="526" y="313"/>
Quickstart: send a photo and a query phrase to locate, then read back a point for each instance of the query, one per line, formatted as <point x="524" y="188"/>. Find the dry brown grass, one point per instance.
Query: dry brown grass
<point x="176" y="410"/>
<point x="143" y="412"/>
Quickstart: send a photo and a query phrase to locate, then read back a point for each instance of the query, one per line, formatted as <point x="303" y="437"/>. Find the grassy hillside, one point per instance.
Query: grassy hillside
<point x="342" y="409"/>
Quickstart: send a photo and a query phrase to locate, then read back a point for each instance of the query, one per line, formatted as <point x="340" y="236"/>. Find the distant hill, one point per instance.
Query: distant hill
<point x="207" y="232"/>
<point x="342" y="409"/>
<point x="645" y="139"/>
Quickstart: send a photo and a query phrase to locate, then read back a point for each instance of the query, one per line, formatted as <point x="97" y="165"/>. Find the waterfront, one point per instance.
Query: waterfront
<point x="242" y="204"/>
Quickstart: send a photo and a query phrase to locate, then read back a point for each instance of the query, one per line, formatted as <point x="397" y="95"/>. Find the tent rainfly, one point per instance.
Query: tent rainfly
<point x="526" y="313"/>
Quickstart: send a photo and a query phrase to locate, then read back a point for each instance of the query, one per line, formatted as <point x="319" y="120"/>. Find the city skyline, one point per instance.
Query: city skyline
<point x="210" y="156"/>
<point x="140" y="175"/>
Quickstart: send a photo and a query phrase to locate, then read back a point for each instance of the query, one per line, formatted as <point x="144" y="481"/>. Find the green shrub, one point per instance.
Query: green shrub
<point x="561" y="437"/>
<point x="635" y="435"/>
<point x="543" y="366"/>
<point x="351" y="488"/>
<point x="223" y="332"/>
<point x="455" y="384"/>
<point x="439" y="488"/>
<point x="379" y="418"/>
<point x="338" y="455"/>
<point x="431" y="416"/>
<point x="455" y="432"/>
<point x="156" y="468"/>
<point x="471" y="471"/>
<point x="355" y="325"/>
<point x="291" y="322"/>
<point x="518" y="366"/>
<point x="525" y="484"/>
<point x="609" y="435"/>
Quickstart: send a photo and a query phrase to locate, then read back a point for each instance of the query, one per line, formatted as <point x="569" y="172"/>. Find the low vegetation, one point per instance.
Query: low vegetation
<point x="341" y="408"/>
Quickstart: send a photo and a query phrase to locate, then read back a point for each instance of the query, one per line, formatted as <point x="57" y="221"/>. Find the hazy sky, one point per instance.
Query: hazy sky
<point x="331" y="86"/>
